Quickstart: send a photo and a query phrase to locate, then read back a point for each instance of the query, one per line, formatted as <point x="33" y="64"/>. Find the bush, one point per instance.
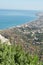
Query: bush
<point x="15" y="55"/>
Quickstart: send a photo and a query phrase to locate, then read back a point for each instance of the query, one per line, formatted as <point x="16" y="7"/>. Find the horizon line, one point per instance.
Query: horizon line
<point x="23" y="9"/>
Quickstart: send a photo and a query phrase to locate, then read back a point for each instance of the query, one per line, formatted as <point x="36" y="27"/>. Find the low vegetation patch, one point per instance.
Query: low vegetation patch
<point x="15" y="55"/>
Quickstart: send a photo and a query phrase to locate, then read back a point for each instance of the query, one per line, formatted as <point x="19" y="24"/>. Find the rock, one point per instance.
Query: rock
<point x="4" y="40"/>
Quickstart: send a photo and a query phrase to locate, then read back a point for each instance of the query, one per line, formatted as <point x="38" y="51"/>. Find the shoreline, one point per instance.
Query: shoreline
<point x="37" y="17"/>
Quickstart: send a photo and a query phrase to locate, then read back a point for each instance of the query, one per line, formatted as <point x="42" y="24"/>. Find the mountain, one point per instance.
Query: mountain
<point x="29" y="35"/>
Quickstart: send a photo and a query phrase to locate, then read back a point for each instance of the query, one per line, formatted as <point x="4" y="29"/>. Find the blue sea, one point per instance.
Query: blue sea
<point x="10" y="18"/>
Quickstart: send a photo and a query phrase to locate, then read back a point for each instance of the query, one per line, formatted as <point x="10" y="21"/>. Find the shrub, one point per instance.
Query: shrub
<point x="15" y="55"/>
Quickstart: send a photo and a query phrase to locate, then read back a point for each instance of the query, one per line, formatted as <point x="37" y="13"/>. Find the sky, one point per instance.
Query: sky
<point x="22" y="4"/>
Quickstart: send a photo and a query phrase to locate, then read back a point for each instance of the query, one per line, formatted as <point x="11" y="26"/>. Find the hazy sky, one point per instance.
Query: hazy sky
<point x="22" y="4"/>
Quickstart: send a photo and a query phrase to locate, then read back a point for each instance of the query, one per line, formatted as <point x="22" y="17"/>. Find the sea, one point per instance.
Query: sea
<point x="12" y="18"/>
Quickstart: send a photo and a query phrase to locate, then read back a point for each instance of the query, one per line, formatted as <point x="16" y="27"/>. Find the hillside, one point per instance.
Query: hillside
<point x="15" y="55"/>
<point x="29" y="35"/>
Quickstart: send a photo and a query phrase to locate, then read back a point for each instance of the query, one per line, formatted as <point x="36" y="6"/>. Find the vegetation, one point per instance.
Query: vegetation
<point x="15" y="55"/>
<point x="31" y="40"/>
<point x="40" y="37"/>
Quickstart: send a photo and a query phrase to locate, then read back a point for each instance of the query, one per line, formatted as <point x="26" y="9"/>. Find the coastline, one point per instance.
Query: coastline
<point x="28" y="22"/>
<point x="24" y="23"/>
